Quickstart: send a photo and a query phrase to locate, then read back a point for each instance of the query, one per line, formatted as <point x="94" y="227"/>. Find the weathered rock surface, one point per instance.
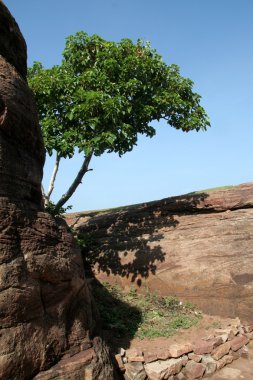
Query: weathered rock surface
<point x="46" y="309"/>
<point x="197" y="246"/>
<point x="13" y="46"/>
<point x="21" y="148"/>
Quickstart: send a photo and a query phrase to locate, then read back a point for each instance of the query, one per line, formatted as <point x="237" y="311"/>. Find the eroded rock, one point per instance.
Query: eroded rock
<point x="46" y="310"/>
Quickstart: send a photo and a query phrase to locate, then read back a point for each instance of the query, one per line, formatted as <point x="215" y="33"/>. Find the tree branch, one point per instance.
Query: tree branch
<point x="43" y="194"/>
<point x="54" y="173"/>
<point x="84" y="169"/>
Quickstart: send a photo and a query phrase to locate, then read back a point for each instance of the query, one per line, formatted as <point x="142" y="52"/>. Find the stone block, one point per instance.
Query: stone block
<point x="227" y="359"/>
<point x="163" y="354"/>
<point x="179" y="350"/>
<point x="244" y="351"/>
<point x="156" y="370"/>
<point x="221" y="350"/>
<point x="180" y="376"/>
<point x="238" y="342"/>
<point x="203" y="347"/>
<point x="210" y="364"/>
<point x="210" y="368"/>
<point x="217" y="341"/>
<point x="163" y="369"/>
<point x="196" y="358"/>
<point x="150" y="357"/>
<point x="231" y="332"/>
<point x="194" y="370"/>
<point x="207" y="359"/>
<point x="248" y="328"/>
<point x="135" y="371"/>
<point x="236" y="354"/>
<point x="249" y="335"/>
<point x="119" y="362"/>
<point x="184" y="359"/>
<point x="224" y="337"/>
<point x="134" y="355"/>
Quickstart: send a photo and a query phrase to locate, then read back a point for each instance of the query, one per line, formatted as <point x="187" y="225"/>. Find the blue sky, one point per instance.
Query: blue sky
<point x="211" y="41"/>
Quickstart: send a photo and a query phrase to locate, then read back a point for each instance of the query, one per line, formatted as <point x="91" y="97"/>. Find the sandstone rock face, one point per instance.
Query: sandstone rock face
<point x="46" y="309"/>
<point x="21" y="149"/>
<point x="13" y="46"/>
<point x="198" y="247"/>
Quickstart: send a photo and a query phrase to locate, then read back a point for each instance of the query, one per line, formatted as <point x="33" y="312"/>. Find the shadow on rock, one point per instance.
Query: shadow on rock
<point x="125" y="243"/>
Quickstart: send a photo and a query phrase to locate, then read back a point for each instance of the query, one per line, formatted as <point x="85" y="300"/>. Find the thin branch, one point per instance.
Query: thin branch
<point x="43" y="192"/>
<point x="84" y="169"/>
<point x="54" y="173"/>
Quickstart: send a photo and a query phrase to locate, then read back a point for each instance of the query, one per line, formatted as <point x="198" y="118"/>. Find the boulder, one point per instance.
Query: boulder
<point x="46" y="309"/>
<point x="196" y="246"/>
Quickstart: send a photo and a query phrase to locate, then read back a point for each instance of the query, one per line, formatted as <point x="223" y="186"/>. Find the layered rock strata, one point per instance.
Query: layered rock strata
<point x="46" y="310"/>
<point x="197" y="247"/>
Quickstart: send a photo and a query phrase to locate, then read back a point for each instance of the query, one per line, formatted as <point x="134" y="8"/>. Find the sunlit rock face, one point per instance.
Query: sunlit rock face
<point x="198" y="247"/>
<point x="46" y="309"/>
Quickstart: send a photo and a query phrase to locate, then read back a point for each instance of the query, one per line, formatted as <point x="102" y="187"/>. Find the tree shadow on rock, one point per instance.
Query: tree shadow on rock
<point x="127" y="247"/>
<point x="126" y="243"/>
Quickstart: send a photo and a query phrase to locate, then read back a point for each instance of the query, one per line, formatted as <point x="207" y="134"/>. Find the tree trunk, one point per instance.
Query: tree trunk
<point x="84" y="169"/>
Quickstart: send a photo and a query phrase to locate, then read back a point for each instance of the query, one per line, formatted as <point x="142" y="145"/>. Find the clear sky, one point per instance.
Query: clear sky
<point x="211" y="41"/>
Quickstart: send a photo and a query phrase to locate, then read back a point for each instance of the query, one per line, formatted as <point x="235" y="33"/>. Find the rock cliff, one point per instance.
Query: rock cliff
<point x="46" y="310"/>
<point x="198" y="247"/>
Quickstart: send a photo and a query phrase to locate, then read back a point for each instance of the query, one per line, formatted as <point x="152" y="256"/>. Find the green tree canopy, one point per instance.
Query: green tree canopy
<point x="104" y="94"/>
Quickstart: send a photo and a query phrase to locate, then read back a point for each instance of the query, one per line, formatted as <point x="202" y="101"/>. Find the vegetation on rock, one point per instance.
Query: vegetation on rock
<point x="142" y="315"/>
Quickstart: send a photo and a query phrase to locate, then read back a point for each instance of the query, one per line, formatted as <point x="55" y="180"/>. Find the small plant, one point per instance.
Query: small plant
<point x="51" y="209"/>
<point x="189" y="306"/>
<point x="182" y="321"/>
<point x="132" y="294"/>
<point x="85" y="241"/>
<point x="172" y="303"/>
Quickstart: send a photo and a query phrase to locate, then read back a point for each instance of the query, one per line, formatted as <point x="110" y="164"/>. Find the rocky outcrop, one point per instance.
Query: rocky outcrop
<point x="21" y="148"/>
<point x="46" y="310"/>
<point x="197" y="247"/>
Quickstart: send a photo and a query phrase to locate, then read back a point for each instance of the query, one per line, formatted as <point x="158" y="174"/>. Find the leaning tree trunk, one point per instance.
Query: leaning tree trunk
<point x="84" y="169"/>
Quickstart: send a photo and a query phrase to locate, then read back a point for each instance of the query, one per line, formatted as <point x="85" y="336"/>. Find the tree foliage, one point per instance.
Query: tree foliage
<point x="104" y="94"/>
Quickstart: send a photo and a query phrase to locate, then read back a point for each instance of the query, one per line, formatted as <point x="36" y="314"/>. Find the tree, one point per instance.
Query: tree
<point x="103" y="95"/>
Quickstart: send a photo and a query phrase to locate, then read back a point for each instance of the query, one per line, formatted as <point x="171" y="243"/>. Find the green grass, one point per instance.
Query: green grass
<point x="142" y="315"/>
<point x="213" y="189"/>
